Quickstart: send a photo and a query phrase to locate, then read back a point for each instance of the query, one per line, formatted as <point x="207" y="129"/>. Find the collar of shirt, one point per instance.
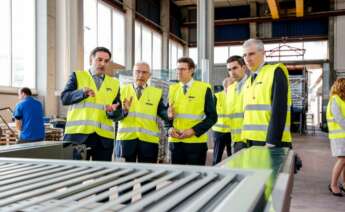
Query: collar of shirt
<point x="93" y="74"/>
<point x="189" y="84"/>
<point x="135" y="86"/>
<point x="241" y="83"/>
<point x="259" y="67"/>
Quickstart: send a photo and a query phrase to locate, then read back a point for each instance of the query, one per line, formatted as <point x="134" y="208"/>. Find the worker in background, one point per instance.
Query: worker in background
<point x="138" y="131"/>
<point x="237" y="71"/>
<point x="192" y="109"/>
<point x="336" y="134"/>
<point x="94" y="100"/>
<point x="221" y="130"/>
<point x="28" y="115"/>
<point x="266" y="98"/>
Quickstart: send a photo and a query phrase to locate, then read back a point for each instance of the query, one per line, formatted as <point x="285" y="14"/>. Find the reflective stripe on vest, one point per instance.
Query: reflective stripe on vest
<point x="90" y="123"/>
<point x="87" y="105"/>
<point x="189" y="109"/>
<point x="138" y="129"/>
<point x="335" y="130"/>
<point x="190" y="116"/>
<point x="257" y="105"/>
<point x="142" y="115"/>
<point x="141" y="121"/>
<point x="235" y="111"/>
<point x="89" y="115"/>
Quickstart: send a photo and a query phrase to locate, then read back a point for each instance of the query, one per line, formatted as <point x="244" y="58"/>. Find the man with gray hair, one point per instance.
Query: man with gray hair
<point x="267" y="99"/>
<point x="138" y="131"/>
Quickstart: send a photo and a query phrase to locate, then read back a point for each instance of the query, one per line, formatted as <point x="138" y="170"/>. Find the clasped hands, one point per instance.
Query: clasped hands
<point x="181" y="134"/>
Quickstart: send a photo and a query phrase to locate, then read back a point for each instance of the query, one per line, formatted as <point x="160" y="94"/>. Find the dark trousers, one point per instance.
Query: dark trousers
<point x="238" y="146"/>
<point x="221" y="140"/>
<point x="186" y="153"/>
<point x="144" y="152"/>
<point x="97" y="151"/>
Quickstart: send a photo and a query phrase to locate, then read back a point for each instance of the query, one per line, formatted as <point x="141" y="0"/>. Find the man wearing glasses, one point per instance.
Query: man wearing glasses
<point x="138" y="132"/>
<point x="193" y="112"/>
<point x="266" y="99"/>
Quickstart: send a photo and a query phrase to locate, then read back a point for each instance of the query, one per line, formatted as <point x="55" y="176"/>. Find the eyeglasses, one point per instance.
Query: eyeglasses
<point x="142" y="72"/>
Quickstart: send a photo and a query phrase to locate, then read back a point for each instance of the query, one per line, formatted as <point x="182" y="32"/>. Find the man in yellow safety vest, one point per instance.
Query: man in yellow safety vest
<point x="192" y="109"/>
<point x="266" y="99"/>
<point x="221" y="130"/>
<point x="237" y="70"/>
<point x="138" y="132"/>
<point x="94" y="100"/>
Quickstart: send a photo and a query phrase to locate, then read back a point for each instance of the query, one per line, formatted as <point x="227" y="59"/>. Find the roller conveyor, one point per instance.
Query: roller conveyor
<point x="65" y="185"/>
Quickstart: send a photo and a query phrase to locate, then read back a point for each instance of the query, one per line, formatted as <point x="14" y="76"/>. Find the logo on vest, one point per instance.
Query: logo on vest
<point x="109" y="89"/>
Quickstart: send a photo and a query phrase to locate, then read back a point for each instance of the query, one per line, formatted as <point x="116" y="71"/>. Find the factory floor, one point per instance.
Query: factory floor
<point x="310" y="191"/>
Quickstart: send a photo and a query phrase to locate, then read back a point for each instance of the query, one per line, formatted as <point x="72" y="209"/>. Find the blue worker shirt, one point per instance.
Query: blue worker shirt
<point x="30" y="112"/>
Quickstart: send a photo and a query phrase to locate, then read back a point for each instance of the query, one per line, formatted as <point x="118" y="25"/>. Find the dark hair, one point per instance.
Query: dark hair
<point x="26" y="90"/>
<point x="100" y="49"/>
<point x="188" y="60"/>
<point x="235" y="58"/>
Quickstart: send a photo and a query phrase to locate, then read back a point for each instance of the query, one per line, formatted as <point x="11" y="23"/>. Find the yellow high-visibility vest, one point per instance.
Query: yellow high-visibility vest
<point x="189" y="109"/>
<point x="235" y="111"/>
<point x="222" y="124"/>
<point x="141" y="121"/>
<point x="335" y="131"/>
<point x="257" y="105"/>
<point x="89" y="115"/>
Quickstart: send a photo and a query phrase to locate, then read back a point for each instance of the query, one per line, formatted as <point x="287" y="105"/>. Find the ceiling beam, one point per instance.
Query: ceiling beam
<point x="263" y="19"/>
<point x="299" y="8"/>
<point x="273" y="5"/>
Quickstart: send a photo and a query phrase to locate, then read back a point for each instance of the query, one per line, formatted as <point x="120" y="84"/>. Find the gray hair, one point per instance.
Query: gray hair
<point x="252" y="41"/>
<point x="143" y="63"/>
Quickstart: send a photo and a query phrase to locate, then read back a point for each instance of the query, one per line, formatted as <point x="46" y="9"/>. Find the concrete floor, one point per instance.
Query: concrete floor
<point x="310" y="192"/>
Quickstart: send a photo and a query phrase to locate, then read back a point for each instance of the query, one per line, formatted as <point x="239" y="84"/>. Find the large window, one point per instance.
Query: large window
<point x="293" y="51"/>
<point x="103" y="26"/>
<point x="148" y="47"/>
<point x="175" y="52"/>
<point x="17" y="43"/>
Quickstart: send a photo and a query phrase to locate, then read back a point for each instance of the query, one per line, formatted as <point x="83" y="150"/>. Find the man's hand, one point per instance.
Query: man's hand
<point x="111" y="108"/>
<point x="127" y="104"/>
<point x="171" y="111"/>
<point x="187" y="133"/>
<point x="88" y="92"/>
<point x="173" y="132"/>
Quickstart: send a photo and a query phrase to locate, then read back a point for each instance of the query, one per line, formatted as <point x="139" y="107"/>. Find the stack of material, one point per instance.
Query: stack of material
<point x="298" y="92"/>
<point x="7" y="133"/>
<point x="7" y="136"/>
<point x="53" y="134"/>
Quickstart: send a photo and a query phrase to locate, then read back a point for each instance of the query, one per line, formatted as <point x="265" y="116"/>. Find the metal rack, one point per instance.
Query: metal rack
<point x="59" y="185"/>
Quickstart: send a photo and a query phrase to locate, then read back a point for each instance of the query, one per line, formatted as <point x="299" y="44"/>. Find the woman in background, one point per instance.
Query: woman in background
<point x="336" y="127"/>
